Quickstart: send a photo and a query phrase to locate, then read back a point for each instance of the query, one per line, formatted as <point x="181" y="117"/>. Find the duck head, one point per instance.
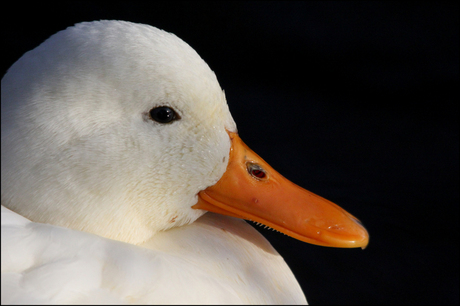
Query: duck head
<point x="122" y="130"/>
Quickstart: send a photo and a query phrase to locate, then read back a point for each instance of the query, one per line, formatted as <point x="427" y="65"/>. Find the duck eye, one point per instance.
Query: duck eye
<point x="163" y="114"/>
<point x="256" y="171"/>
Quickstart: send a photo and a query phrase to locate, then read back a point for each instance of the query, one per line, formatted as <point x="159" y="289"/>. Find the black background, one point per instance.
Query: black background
<point x="355" y="101"/>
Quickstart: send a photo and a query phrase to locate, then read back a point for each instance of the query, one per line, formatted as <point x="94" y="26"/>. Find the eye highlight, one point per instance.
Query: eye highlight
<point x="163" y="114"/>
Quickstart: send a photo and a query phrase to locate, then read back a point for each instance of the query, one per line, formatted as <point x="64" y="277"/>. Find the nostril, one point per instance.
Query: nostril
<point x="256" y="171"/>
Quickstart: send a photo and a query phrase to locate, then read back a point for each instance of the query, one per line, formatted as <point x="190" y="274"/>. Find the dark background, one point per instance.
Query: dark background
<point x="355" y="101"/>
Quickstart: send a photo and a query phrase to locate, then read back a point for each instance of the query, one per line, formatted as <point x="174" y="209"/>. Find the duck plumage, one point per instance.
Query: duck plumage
<point x="104" y="200"/>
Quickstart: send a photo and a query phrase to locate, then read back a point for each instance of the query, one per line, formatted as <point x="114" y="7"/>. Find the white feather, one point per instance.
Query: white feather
<point x="84" y="162"/>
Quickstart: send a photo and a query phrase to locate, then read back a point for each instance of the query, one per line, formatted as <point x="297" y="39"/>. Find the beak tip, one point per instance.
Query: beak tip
<point x="364" y="242"/>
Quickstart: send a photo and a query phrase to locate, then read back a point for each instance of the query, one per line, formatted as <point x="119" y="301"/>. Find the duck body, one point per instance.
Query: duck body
<point x="215" y="260"/>
<point x="116" y="141"/>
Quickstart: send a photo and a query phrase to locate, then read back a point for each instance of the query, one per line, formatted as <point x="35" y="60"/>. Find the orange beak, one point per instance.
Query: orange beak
<point x="251" y="189"/>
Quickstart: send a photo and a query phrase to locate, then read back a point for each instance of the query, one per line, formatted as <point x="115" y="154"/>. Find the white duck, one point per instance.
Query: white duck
<point x="116" y="138"/>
